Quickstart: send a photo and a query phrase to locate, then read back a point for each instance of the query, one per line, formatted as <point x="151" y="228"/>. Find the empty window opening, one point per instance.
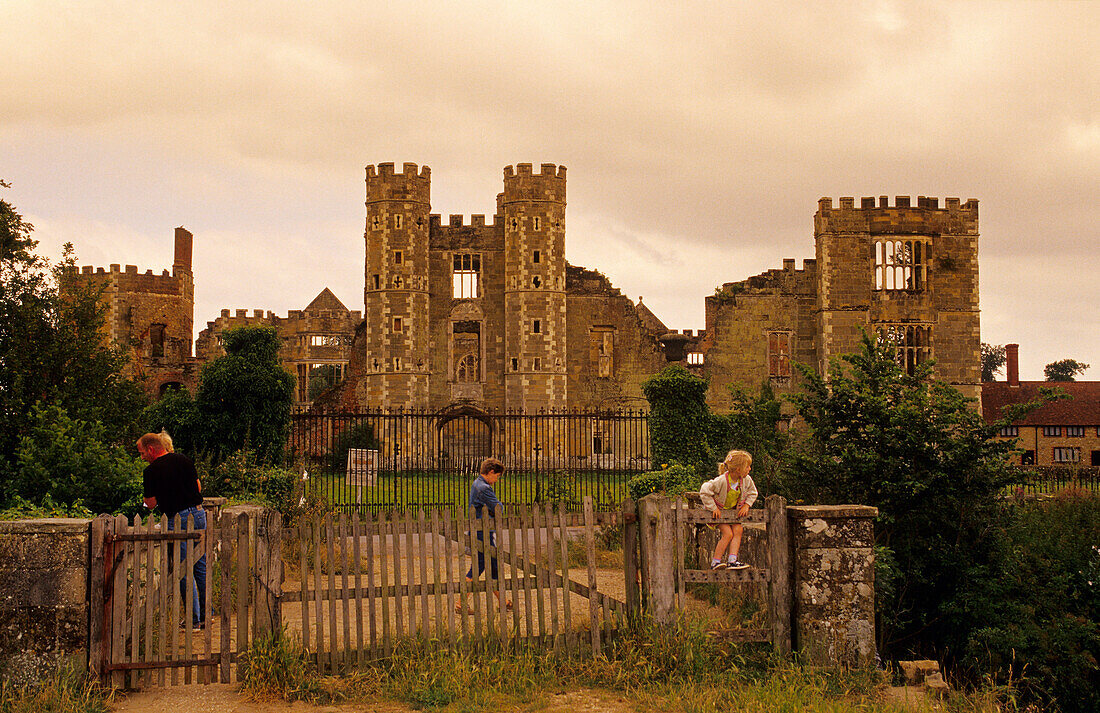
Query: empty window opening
<point x="536" y="257"/>
<point x="467" y="371"/>
<point x="536" y="282"/>
<point x="901" y="264"/>
<point x="324" y="340"/>
<point x="1095" y="458"/>
<point x="377" y="282"/>
<point x="398" y="324"/>
<point x="779" y="354"/>
<point x="320" y="378"/>
<point x="537" y="364"/>
<point x="515" y="364"/>
<point x="1066" y="454"/>
<point x="397" y="363"/>
<point x="156" y="340"/>
<point x="466" y="278"/>
<point x="695" y="358"/>
<point x="912" y="344"/>
<point x="397" y="282"/>
<point x="603" y="351"/>
<point x="1075" y="431"/>
<point x="1027" y="458"/>
<point x="536" y="326"/>
<point x="397" y="222"/>
<point x="376" y="223"/>
<point x="1052" y="431"/>
<point x="537" y="223"/>
<point x="398" y="257"/>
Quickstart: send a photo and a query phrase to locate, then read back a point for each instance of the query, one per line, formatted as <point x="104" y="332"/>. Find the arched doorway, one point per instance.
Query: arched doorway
<point x="465" y="438"/>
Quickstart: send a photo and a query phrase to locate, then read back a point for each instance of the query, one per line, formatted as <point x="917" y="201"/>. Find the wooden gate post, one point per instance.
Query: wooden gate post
<point x="269" y="572"/>
<point x="779" y="552"/>
<point x="631" y="570"/>
<point x="658" y="545"/>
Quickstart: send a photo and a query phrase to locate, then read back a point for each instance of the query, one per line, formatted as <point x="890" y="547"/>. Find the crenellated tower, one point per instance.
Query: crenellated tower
<point x="395" y="331"/>
<point x="533" y="208"/>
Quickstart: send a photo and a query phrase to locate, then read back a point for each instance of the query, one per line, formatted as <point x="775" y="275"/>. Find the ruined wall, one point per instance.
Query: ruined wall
<point x="610" y="351"/>
<point x="43" y="597"/>
<point x="318" y="335"/>
<point x="740" y="318"/>
<point x="834" y="582"/>
<point x="149" y="316"/>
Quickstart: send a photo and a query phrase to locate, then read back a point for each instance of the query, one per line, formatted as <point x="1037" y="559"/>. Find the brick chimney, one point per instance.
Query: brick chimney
<point x="1012" y="364"/>
<point x="182" y="259"/>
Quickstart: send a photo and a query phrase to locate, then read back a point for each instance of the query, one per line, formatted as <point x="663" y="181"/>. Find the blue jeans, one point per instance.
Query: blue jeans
<point x="481" y="556"/>
<point x="196" y="515"/>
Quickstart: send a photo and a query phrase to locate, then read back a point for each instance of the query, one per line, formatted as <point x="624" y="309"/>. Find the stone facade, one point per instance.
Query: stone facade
<point x="834" y="582"/>
<point x="43" y="597"/>
<point x="488" y="315"/>
<point x="150" y="316"/>
<point x="315" y="341"/>
<point x="907" y="271"/>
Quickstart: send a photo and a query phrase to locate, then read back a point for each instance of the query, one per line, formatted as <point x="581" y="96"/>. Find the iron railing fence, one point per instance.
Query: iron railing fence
<point x="1050" y="480"/>
<point x="400" y="459"/>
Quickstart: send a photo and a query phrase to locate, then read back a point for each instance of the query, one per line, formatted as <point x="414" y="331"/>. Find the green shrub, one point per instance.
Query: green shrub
<point x="672" y="480"/>
<point x="21" y="509"/>
<point x="560" y="487"/>
<point x="361" y="435"/>
<point x="241" y="477"/>
<point x="679" y="419"/>
<point x="71" y="461"/>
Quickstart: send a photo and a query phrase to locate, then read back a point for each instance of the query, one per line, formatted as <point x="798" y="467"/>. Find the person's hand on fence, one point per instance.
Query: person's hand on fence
<point x="743" y="510"/>
<point x="717" y="512"/>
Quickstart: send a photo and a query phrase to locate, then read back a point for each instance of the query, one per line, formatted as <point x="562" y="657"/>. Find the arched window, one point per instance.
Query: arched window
<point x="467" y="370"/>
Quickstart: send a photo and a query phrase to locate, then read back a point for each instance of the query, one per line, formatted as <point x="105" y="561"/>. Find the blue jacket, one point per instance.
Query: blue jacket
<point x="482" y="495"/>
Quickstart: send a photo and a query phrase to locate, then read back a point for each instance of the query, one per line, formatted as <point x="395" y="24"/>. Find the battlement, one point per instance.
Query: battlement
<point x="412" y="184"/>
<point x="900" y="202"/>
<point x="477" y="220"/>
<point x="521" y="183"/>
<point x="128" y="278"/>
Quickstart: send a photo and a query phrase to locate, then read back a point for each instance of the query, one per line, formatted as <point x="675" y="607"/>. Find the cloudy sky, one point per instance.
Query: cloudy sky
<point x="698" y="136"/>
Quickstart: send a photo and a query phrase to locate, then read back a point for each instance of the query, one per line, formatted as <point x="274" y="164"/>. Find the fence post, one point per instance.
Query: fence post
<point x="779" y="554"/>
<point x="630" y="560"/>
<point x="269" y="571"/>
<point x="658" y="544"/>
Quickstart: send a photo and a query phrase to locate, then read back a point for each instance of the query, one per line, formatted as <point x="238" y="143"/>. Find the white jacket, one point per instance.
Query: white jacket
<point x="714" y="492"/>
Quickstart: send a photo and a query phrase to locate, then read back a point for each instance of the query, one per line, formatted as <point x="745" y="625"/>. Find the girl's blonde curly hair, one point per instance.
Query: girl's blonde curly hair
<point x="735" y="461"/>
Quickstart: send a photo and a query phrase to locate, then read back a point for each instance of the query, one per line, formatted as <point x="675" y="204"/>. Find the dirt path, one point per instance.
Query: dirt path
<point x="223" y="698"/>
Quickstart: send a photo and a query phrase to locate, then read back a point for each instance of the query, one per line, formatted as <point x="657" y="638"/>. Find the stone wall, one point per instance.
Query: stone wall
<point x="834" y="582"/>
<point x="43" y="597"/>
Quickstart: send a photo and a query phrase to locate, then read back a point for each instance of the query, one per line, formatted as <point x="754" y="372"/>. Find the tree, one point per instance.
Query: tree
<point x="244" y="398"/>
<point x="752" y="425"/>
<point x="53" y="353"/>
<point x="993" y="358"/>
<point x="1064" y="370"/>
<point x="920" y="452"/>
<point x="322" y="378"/>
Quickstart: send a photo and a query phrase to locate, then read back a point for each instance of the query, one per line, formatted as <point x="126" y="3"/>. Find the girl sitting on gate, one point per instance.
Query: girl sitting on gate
<point x="732" y="488"/>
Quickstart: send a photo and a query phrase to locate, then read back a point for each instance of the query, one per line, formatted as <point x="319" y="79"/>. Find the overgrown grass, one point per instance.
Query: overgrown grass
<point x="664" y="668"/>
<point x="64" y="692"/>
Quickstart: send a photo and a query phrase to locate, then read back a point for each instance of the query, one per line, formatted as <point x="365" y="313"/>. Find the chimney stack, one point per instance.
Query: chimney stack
<point x="182" y="261"/>
<point x="1012" y="362"/>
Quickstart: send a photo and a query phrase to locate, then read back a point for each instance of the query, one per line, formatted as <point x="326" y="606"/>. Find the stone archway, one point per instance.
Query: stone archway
<point x="464" y="435"/>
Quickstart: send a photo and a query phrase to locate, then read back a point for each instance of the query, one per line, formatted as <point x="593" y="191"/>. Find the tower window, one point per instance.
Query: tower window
<point x="912" y="344"/>
<point x="375" y="223"/>
<point x="398" y="257"/>
<point x="397" y="363"/>
<point x="536" y="281"/>
<point x="377" y="282"/>
<point x="156" y="340"/>
<point x="397" y="324"/>
<point x="536" y="326"/>
<point x="537" y="364"/>
<point x="901" y="264"/>
<point x="536" y="257"/>
<point x="695" y="358"/>
<point x="537" y="223"/>
<point x="779" y="354"/>
<point x="467" y="371"/>
<point x="397" y="222"/>
<point x="466" y="278"/>
<point x="515" y="364"/>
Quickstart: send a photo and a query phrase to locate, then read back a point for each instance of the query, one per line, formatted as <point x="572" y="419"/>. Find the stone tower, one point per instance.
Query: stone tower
<point x="908" y="271"/>
<point x="395" y="328"/>
<point x="533" y="208"/>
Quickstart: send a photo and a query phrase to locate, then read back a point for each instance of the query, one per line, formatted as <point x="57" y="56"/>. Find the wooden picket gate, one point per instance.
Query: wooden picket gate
<point x="135" y="637"/>
<point x="366" y="582"/>
<point x="661" y="536"/>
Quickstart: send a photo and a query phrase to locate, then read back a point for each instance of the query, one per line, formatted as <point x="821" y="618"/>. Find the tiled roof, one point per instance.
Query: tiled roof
<point x="1082" y="408"/>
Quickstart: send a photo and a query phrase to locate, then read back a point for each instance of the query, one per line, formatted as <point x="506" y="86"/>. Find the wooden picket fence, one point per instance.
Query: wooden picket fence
<point x="366" y="582"/>
<point x="352" y="587"/>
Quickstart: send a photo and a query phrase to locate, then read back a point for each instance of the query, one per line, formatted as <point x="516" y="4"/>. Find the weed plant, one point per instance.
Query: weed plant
<point x="64" y="692"/>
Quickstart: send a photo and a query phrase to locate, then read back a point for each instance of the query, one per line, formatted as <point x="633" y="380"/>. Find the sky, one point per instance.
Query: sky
<point x="698" y="137"/>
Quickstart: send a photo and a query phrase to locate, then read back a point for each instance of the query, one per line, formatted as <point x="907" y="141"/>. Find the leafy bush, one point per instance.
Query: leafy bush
<point x="360" y="435"/>
<point x="71" y="461"/>
<point x="672" y="480"/>
<point x="21" y="509"/>
<point x="241" y="477"/>
<point x="561" y="487"/>
<point x="679" y="419"/>
<point x="1034" y="613"/>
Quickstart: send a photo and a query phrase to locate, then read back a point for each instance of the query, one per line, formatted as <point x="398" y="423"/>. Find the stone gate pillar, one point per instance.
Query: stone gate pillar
<point x="834" y="582"/>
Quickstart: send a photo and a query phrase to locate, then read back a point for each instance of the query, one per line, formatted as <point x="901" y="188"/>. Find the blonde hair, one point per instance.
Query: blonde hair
<point x="735" y="460"/>
<point x="166" y="440"/>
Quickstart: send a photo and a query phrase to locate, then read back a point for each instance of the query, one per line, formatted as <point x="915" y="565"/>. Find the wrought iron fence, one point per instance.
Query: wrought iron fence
<point x="1050" y="480"/>
<point x="401" y="459"/>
